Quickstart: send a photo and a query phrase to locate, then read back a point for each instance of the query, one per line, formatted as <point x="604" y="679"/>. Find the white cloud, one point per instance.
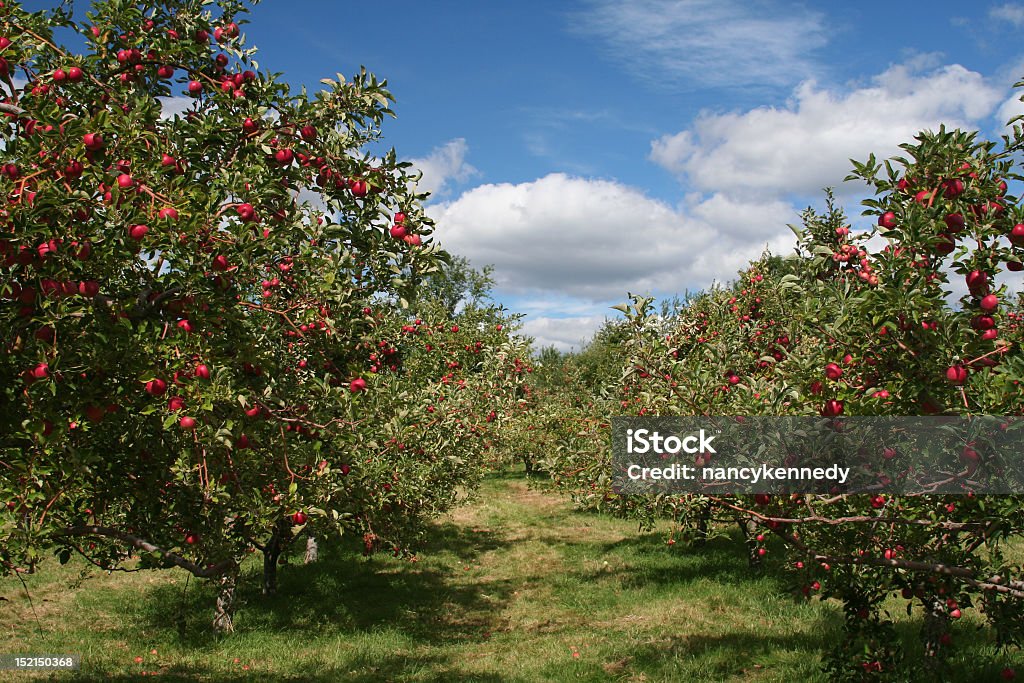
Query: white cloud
<point x="565" y="334"/>
<point x="597" y="240"/>
<point x="563" y="247"/>
<point x="174" y="106"/>
<point x="806" y="145"/>
<point x="1009" y="12"/>
<point x="718" y="43"/>
<point x="1010" y="108"/>
<point x="444" y="165"/>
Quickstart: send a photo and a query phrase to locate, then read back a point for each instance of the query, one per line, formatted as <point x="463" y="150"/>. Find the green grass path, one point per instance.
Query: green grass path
<point x="514" y="587"/>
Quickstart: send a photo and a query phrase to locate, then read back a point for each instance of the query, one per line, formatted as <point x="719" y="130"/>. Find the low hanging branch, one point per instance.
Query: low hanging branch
<point x="860" y="519"/>
<point x="144" y="545"/>
<point x="11" y="109"/>
<point x="996" y="584"/>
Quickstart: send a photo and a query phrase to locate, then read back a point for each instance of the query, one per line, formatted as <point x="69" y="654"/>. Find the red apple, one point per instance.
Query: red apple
<point x="137" y="232"/>
<point x="202" y="371"/>
<point x="195" y="88"/>
<point x="983" y="322"/>
<point x="169" y="213"/>
<point x="989" y="303"/>
<point x="1017" y="235"/>
<point x="246" y="212"/>
<point x="945" y="244"/>
<point x="833" y="371"/>
<point x="284" y="156"/>
<point x="956" y="374"/>
<point x="156" y="387"/>
<point x="93" y="141"/>
<point x="187" y="423"/>
<point x="955" y="222"/>
<point x="832" y="408"/>
<point x="299" y="518"/>
<point x="952" y="188"/>
<point x="357" y="385"/>
<point x="977" y="282"/>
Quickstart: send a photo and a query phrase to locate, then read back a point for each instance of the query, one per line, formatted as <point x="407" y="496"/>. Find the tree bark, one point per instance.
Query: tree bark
<point x="312" y="550"/>
<point x="936" y="624"/>
<point x="749" y="528"/>
<point x="223" y="619"/>
<point x="703" y="520"/>
<point x="271" y="555"/>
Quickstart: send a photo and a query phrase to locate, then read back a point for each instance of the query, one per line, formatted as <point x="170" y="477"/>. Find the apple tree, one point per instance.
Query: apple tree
<point x="915" y="316"/>
<point x="191" y="260"/>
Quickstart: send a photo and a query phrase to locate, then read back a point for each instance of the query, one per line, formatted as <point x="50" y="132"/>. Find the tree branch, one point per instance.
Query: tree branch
<point x="142" y="544"/>
<point x="11" y="109"/>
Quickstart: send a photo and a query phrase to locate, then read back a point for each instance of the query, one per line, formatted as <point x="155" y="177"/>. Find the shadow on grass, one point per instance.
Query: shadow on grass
<point x="707" y="657"/>
<point x="722" y="559"/>
<point x="358" y="670"/>
<point x="345" y="593"/>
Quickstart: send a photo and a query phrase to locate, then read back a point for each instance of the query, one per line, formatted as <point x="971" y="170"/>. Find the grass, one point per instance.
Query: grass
<point x="515" y="587"/>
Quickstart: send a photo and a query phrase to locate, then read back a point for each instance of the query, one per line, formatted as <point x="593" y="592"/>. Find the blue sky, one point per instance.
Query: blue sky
<point x="590" y="148"/>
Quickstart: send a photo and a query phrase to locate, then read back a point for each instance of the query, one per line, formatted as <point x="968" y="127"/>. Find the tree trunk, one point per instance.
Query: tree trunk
<point x="312" y="550"/>
<point x="935" y="626"/>
<point x="749" y="529"/>
<point x="703" y="520"/>
<point x="223" y="620"/>
<point x="271" y="554"/>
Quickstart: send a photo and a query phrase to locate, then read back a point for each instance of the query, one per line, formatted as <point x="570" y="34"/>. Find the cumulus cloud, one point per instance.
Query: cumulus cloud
<point x="806" y="145"/>
<point x="444" y="166"/>
<point x="1009" y="12"/>
<point x="565" y="334"/>
<point x="174" y="106"/>
<point x="568" y="246"/>
<point x="717" y="43"/>
<point x="1010" y="108"/>
<point x="595" y="240"/>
